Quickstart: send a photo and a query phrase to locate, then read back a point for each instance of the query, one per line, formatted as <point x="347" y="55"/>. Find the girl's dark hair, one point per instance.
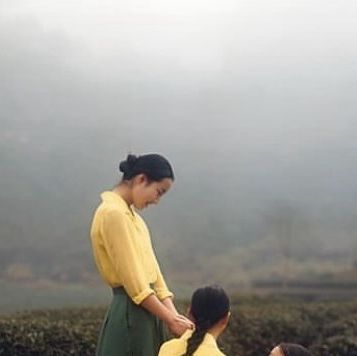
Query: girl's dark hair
<point x="154" y="166"/>
<point x="294" y="350"/>
<point x="208" y="306"/>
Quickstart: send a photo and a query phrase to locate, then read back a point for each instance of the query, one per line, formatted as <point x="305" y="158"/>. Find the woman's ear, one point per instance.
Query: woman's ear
<point x="140" y="179"/>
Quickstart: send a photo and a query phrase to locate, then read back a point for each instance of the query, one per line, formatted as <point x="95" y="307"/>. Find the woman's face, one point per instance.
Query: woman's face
<point x="146" y="193"/>
<point x="276" y="351"/>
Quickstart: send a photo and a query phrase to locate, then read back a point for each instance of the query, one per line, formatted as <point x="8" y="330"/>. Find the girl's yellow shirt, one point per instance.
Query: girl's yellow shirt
<point x="123" y="251"/>
<point x="177" y="347"/>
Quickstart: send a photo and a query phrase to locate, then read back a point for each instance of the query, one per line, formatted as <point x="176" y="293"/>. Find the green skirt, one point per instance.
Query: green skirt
<point x="129" y="330"/>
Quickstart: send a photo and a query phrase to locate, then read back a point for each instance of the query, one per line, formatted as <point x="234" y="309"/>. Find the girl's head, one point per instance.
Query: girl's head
<point x="148" y="177"/>
<point x="286" y="349"/>
<point x="209" y="308"/>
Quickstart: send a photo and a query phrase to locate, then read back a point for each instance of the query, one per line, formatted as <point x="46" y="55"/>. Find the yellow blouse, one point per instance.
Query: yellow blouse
<point x="123" y="252"/>
<point x="177" y="347"/>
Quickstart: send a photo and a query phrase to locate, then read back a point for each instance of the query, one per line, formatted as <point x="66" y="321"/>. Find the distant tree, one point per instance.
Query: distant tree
<point x="290" y="228"/>
<point x="19" y="272"/>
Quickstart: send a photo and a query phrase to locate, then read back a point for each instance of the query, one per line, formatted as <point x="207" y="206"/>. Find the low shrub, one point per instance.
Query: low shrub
<point x="255" y="327"/>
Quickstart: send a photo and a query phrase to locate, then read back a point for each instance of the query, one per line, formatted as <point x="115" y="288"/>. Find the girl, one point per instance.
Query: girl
<point x="287" y="349"/>
<point x="126" y="261"/>
<point x="210" y="312"/>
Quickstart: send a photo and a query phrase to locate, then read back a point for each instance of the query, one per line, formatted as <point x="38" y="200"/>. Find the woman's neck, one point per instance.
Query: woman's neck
<point x="124" y="191"/>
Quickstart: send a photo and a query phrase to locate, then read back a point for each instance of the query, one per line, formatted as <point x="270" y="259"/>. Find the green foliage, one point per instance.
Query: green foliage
<point x="55" y="333"/>
<point x="325" y="328"/>
<point x="256" y="325"/>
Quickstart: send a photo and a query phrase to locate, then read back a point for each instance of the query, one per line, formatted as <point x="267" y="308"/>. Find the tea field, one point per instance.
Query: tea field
<point x="256" y="325"/>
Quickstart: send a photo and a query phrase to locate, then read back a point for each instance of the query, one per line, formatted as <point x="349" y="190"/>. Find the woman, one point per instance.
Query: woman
<point x="209" y="310"/>
<point x="287" y="349"/>
<point x="126" y="261"/>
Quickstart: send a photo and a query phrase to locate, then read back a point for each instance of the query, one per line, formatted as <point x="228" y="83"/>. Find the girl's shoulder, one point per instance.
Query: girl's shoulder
<point x="173" y="347"/>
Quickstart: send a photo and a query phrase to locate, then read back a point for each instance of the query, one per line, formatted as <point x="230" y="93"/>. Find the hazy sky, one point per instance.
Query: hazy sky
<point x="200" y="35"/>
<point x="263" y="83"/>
<point x="268" y="48"/>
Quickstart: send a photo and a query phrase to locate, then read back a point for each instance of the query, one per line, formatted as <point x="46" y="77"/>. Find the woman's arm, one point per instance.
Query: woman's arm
<point x="169" y="304"/>
<point x="175" y="322"/>
<point x="123" y="253"/>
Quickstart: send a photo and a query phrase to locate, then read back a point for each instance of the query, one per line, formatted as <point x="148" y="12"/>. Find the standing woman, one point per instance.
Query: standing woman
<point x="126" y="261"/>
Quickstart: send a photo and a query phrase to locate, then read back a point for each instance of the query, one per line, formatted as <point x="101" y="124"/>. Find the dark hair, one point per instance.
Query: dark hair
<point x="154" y="166"/>
<point x="294" y="350"/>
<point x="208" y="306"/>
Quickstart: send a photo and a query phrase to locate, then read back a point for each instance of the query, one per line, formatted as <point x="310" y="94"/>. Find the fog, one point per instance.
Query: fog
<point x="252" y="102"/>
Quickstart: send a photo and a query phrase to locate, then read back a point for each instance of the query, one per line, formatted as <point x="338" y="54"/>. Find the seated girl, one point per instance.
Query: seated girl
<point x="286" y="349"/>
<point x="209" y="310"/>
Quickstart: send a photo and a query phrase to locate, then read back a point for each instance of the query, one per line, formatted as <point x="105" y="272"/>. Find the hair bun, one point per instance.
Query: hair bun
<point x="154" y="166"/>
<point x="131" y="160"/>
<point x="127" y="165"/>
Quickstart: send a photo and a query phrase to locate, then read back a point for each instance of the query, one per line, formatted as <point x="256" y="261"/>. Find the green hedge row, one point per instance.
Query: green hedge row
<point x="327" y="329"/>
<point x="50" y="332"/>
<point x="255" y="327"/>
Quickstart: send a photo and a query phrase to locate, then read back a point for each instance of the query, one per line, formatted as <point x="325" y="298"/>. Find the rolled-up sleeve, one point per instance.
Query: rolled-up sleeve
<point x="120" y="247"/>
<point x="160" y="286"/>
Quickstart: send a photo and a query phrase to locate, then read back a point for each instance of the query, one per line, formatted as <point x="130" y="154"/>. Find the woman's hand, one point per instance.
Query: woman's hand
<point x="178" y="324"/>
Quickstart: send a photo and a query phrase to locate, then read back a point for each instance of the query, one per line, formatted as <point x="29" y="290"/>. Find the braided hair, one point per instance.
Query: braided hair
<point x="208" y="306"/>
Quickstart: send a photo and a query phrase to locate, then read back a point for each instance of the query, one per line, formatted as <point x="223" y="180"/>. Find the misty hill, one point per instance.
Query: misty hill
<point x="265" y="160"/>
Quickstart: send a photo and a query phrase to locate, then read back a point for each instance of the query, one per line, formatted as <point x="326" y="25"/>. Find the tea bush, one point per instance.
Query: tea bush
<point x="256" y="325"/>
